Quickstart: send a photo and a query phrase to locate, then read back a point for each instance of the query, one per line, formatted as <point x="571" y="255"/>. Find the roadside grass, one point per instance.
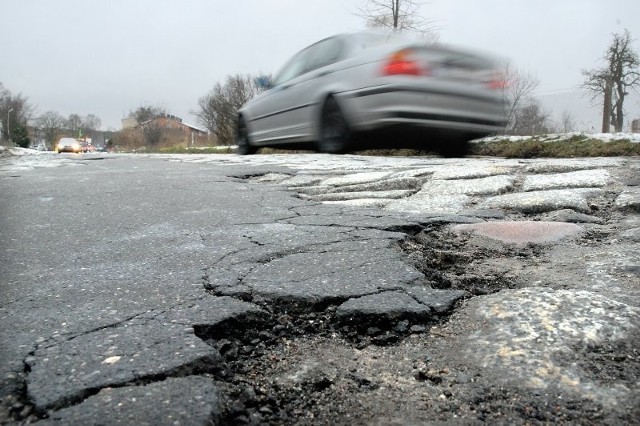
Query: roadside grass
<point x="538" y="147"/>
<point x="542" y="146"/>
<point x="199" y="150"/>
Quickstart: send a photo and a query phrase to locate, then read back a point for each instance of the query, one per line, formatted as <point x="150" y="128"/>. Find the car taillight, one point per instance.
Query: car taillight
<point x="498" y="81"/>
<point x="402" y="63"/>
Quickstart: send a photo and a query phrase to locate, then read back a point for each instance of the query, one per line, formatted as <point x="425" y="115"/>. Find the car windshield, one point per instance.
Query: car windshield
<point x="330" y="50"/>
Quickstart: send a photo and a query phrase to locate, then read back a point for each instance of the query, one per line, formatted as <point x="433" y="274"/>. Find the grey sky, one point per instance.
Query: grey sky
<point x="109" y="57"/>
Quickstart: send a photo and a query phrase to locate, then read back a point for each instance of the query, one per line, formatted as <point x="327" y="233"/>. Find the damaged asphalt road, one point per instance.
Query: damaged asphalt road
<point x="316" y="289"/>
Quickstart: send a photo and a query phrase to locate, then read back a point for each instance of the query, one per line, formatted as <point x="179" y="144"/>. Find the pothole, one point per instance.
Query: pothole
<point x="293" y="367"/>
<point x="449" y="262"/>
<point x="266" y="378"/>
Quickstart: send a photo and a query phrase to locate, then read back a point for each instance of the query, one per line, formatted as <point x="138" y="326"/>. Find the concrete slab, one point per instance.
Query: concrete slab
<point x="364" y="202"/>
<point x="468" y="171"/>
<point x="355" y="178"/>
<point x="568" y="165"/>
<point x="568" y="215"/>
<point x="631" y="235"/>
<point x="426" y="203"/>
<point x="381" y="185"/>
<point x="577" y="179"/>
<point x="343" y="196"/>
<point x="629" y="199"/>
<point x="416" y="172"/>
<point x="523" y="233"/>
<point x="405" y="183"/>
<point x="532" y="336"/>
<point x="491" y="185"/>
<point x="543" y="201"/>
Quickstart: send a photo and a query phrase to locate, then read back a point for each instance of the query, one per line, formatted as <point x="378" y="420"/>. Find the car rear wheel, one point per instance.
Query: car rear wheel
<point x="334" y="130"/>
<point x="244" y="145"/>
<point x="455" y="147"/>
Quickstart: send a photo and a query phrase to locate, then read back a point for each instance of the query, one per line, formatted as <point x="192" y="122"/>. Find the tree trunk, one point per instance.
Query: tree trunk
<point x="606" y="107"/>
<point x="619" y="110"/>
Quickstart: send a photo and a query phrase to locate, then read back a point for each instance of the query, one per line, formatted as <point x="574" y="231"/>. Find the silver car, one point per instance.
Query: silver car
<point x="352" y="83"/>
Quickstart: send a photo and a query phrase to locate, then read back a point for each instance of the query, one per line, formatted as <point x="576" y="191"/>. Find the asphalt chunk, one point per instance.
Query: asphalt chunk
<point x="184" y="400"/>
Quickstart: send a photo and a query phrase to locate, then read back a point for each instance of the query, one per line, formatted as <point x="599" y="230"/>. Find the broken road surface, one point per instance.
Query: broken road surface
<point x="319" y="289"/>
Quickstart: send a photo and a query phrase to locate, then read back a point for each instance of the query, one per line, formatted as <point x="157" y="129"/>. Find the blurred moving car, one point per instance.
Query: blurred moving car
<point x="68" y="145"/>
<point x="366" y="81"/>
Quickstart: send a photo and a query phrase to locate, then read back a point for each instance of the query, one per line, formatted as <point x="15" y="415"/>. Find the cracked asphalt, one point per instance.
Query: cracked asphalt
<point x="318" y="289"/>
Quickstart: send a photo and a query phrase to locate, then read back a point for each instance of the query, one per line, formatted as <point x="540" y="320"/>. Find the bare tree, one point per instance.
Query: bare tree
<point x="219" y="108"/>
<point x="144" y="116"/>
<point x="74" y="123"/>
<point x="50" y="125"/>
<point x="152" y="133"/>
<point x="567" y="123"/>
<point x="517" y="89"/>
<point x="91" y="122"/>
<point x="397" y="15"/>
<point x="613" y="82"/>
<point x="145" y="113"/>
<point x="82" y="125"/>
<point x="531" y="119"/>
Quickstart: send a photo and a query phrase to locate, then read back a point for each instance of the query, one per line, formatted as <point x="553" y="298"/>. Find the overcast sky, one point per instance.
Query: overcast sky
<point x="109" y="57"/>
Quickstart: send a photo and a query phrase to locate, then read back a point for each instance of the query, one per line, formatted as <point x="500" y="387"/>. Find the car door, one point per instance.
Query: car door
<point x="286" y="111"/>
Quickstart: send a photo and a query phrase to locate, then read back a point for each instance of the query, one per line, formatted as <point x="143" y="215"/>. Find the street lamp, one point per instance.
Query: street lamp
<point x="9" y="128"/>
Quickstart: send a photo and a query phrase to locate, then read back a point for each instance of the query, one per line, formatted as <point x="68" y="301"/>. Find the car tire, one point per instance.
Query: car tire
<point x="454" y="148"/>
<point x="335" y="135"/>
<point x="242" y="139"/>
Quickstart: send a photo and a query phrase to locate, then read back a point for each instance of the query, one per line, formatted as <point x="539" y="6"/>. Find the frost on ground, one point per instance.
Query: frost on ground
<point x="558" y="137"/>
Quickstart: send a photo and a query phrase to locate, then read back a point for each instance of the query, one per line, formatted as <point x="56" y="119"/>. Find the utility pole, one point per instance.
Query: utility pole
<point x="8" y="127"/>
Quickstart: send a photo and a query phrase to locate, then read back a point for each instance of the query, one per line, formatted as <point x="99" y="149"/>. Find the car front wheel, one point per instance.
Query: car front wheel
<point x="244" y="145"/>
<point x="454" y="147"/>
<point x="334" y="130"/>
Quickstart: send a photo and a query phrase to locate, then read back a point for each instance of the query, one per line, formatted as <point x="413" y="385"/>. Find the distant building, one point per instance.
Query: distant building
<point x="189" y="134"/>
<point x="167" y="121"/>
<point x="172" y="122"/>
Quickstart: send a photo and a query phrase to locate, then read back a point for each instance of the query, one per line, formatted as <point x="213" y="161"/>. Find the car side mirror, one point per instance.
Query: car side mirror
<point x="263" y="82"/>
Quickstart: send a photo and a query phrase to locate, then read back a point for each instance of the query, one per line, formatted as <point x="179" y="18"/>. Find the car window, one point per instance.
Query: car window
<point x="324" y="53"/>
<point x="364" y="41"/>
<point x="293" y="68"/>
